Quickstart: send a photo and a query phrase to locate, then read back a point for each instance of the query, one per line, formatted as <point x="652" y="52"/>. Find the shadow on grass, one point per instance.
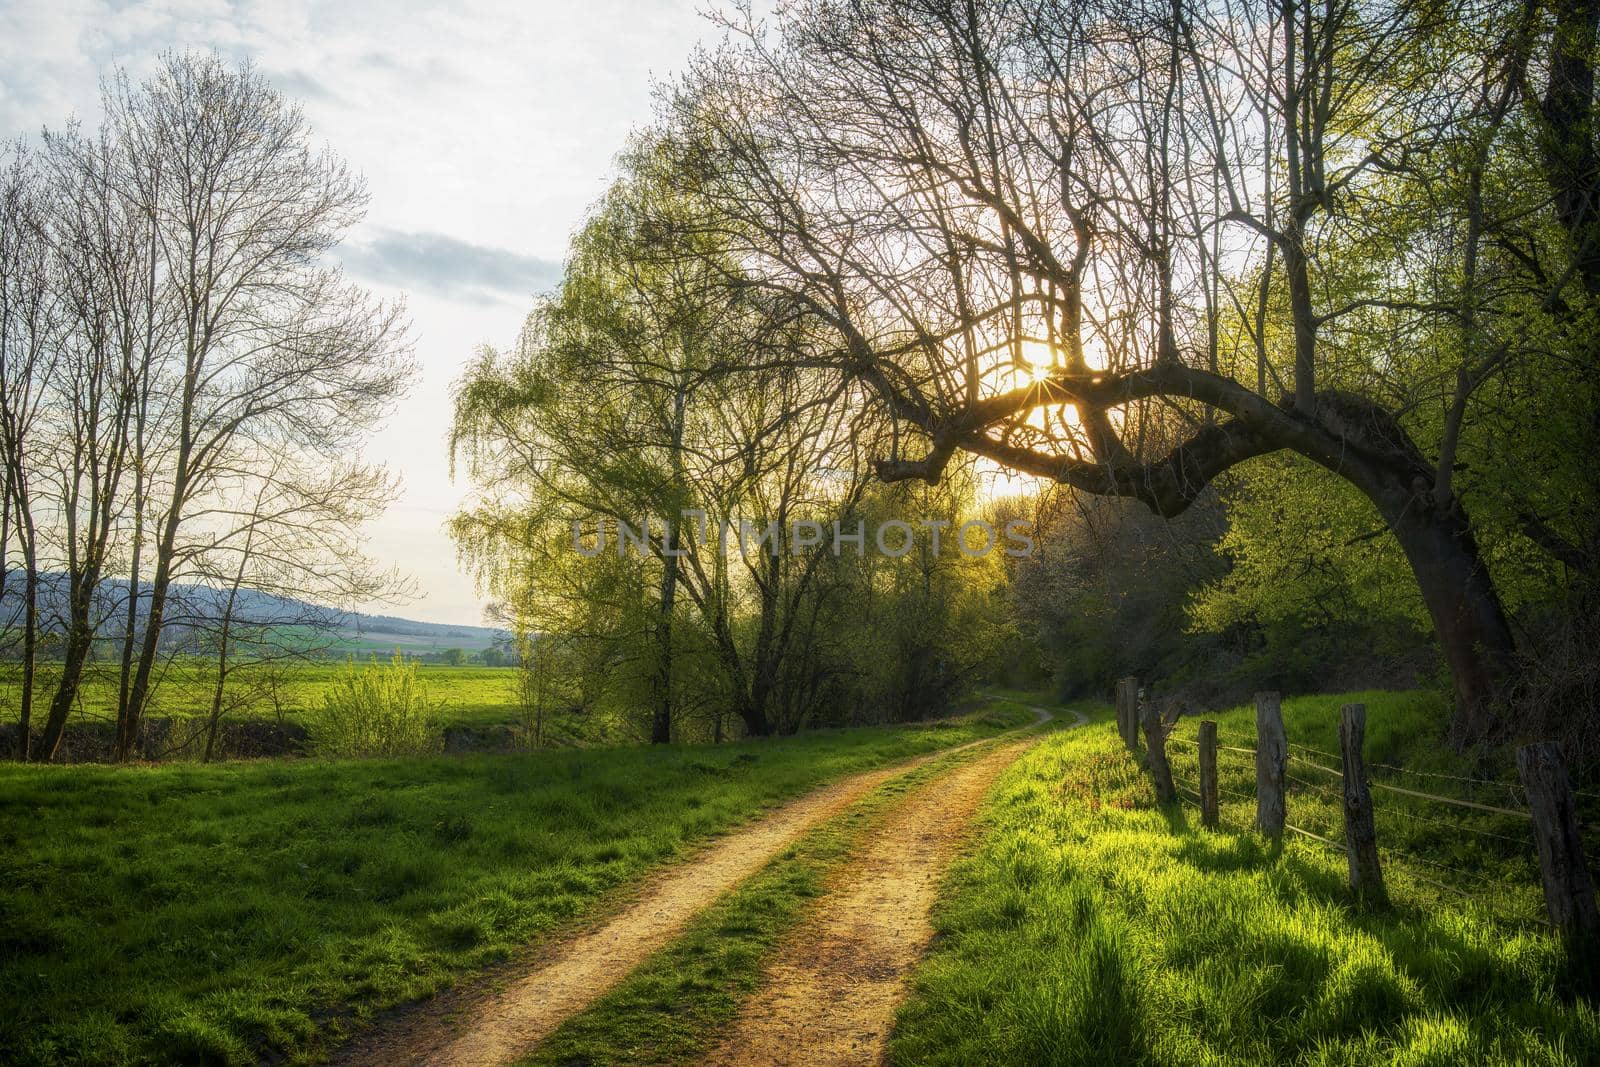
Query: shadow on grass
<point x="1456" y="963"/>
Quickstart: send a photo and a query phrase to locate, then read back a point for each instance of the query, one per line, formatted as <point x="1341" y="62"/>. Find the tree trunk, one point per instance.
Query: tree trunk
<point x="753" y="707"/>
<point x="661" y="717"/>
<point x="754" y="717"/>
<point x="77" y="654"/>
<point x="15" y="507"/>
<point x="30" y="643"/>
<point x="139" y="691"/>
<point x="213" y="724"/>
<point x="131" y="622"/>
<point x="661" y="706"/>
<point x="1467" y="615"/>
<point x="1370" y="450"/>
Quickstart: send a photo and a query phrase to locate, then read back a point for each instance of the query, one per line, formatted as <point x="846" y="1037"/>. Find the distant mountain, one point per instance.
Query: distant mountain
<point x="192" y="607"/>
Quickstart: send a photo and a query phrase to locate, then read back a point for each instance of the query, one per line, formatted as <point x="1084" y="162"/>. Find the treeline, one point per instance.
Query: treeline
<point x="1207" y="616"/>
<point x="183" y="378"/>
<point x="1315" y="283"/>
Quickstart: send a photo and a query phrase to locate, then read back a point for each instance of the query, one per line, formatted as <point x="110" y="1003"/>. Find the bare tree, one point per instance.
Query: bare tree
<point x="29" y="332"/>
<point x="177" y="341"/>
<point x="284" y="563"/>
<point x="272" y="348"/>
<point x="94" y="242"/>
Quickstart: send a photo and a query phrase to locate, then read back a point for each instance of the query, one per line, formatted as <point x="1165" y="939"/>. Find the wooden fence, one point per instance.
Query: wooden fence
<point x="1548" y="807"/>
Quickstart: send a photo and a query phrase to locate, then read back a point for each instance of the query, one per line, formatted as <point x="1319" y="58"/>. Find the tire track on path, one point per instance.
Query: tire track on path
<point x="478" y="1026"/>
<point x="830" y="993"/>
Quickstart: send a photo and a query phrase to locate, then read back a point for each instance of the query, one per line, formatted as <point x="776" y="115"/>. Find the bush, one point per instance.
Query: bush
<point x="377" y="711"/>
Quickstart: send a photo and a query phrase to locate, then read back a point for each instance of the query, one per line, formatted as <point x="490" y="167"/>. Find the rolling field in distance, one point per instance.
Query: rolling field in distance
<point x="470" y="695"/>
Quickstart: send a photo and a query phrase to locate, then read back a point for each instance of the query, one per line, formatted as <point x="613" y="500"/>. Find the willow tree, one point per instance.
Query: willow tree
<point x="1130" y="246"/>
<point x="615" y="408"/>
<point x="594" y="419"/>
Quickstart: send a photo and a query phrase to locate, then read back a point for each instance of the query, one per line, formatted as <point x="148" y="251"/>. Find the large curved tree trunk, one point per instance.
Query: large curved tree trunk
<point x="1466" y="611"/>
<point x="1347" y="434"/>
<point x="1365" y="444"/>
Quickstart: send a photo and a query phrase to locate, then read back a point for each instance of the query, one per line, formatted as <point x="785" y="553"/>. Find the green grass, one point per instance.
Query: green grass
<point x="188" y="913"/>
<point x="1093" y="927"/>
<point x="471" y="696"/>
<point x="1444" y="855"/>
<point x="670" y="1010"/>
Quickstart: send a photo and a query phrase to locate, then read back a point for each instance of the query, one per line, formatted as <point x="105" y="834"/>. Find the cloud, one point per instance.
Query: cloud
<point x="299" y="85"/>
<point x="444" y="266"/>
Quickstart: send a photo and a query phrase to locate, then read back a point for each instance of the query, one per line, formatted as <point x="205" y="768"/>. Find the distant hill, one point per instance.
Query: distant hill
<point x="196" y="606"/>
<point x="385" y="632"/>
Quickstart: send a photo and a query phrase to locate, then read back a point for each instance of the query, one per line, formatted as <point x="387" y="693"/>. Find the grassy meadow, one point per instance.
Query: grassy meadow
<point x="1091" y="926"/>
<point x="1239" y="346"/>
<point x="469" y="695"/>
<point x="186" y="913"/>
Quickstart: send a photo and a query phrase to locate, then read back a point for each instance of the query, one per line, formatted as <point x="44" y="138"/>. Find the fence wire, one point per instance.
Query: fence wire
<point x="1488" y="893"/>
<point x="1337" y="846"/>
<point x="1521" y="813"/>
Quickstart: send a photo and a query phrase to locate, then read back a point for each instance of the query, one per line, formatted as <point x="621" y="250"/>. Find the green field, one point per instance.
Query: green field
<point x="469" y="696"/>
<point x="185" y="913"/>
<point x="372" y="640"/>
<point x="1093" y="927"/>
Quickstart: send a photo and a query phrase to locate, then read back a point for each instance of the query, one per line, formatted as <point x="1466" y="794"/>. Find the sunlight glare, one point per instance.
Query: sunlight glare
<point x="1040" y="358"/>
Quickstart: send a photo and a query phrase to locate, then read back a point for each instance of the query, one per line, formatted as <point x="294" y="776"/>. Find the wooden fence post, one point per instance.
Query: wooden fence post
<point x="1272" y="753"/>
<point x="1122" y="709"/>
<point x="1208" y="774"/>
<point x="1128" y="712"/>
<point x="1155" y="740"/>
<point x="1122" y="683"/>
<point x="1568" y="890"/>
<point x="1360" y="835"/>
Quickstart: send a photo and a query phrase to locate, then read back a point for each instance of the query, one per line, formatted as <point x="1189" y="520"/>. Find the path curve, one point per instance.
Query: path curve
<point x="1078" y="717"/>
<point x="476" y="1026"/>
<point x="830" y="994"/>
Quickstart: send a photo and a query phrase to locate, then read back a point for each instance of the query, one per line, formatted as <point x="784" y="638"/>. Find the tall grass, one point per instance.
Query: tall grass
<point x="1093" y="927"/>
<point x="377" y="710"/>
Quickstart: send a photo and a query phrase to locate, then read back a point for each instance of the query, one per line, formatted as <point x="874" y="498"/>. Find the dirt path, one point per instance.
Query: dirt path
<point x="477" y="1026"/>
<point x="830" y="995"/>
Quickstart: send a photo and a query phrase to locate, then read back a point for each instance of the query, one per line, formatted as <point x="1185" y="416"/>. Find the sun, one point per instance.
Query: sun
<point x="1040" y="358"/>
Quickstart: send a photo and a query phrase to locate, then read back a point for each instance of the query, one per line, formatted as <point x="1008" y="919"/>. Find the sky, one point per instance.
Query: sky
<point x="485" y="132"/>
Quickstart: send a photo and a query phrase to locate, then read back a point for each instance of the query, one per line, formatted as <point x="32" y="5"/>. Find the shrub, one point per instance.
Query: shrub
<point x="377" y="710"/>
